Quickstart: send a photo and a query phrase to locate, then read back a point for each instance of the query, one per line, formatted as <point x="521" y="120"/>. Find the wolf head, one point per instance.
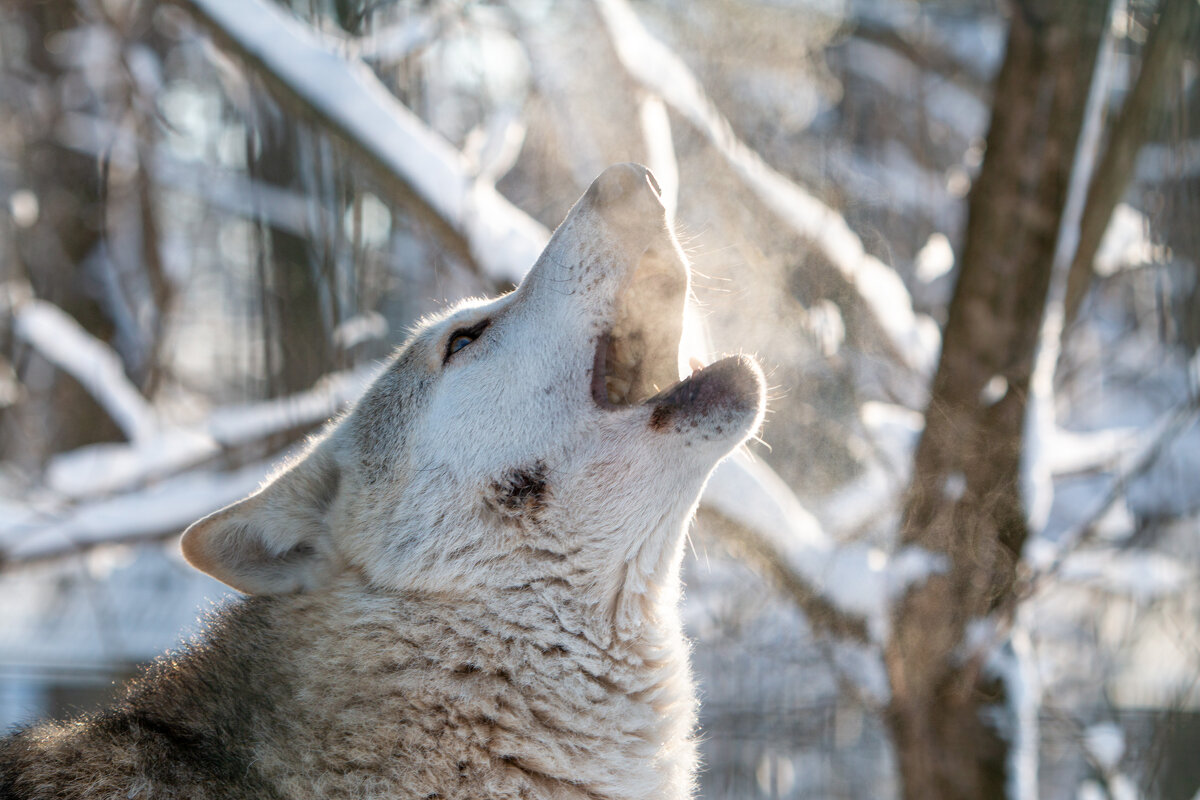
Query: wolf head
<point x="539" y="442"/>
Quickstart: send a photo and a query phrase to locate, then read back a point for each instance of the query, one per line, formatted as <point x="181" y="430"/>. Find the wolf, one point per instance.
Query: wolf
<point x="468" y="586"/>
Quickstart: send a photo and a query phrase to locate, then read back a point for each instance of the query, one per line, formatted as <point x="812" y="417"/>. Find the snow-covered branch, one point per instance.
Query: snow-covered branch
<point x="500" y="237"/>
<point x="62" y="341"/>
<point x="844" y="589"/>
<point x="915" y="338"/>
<point x="157" y="511"/>
<point x="102" y="469"/>
<point x="347" y="96"/>
<point x="1048" y="558"/>
<point x="470" y="216"/>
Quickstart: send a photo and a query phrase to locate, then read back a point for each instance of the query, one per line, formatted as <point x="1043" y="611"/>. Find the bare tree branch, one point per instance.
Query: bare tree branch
<point x="1164" y="50"/>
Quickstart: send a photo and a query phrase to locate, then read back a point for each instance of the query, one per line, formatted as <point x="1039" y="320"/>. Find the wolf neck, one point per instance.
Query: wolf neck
<point x="496" y="702"/>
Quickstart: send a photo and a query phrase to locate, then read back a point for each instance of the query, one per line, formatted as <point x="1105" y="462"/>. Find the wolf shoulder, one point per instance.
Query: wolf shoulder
<point x="179" y="730"/>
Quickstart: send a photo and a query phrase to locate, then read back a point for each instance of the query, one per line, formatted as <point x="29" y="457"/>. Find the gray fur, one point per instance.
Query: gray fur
<point x="468" y="586"/>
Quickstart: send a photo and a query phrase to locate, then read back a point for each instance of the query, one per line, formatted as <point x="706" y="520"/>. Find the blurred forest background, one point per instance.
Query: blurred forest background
<point x="962" y="236"/>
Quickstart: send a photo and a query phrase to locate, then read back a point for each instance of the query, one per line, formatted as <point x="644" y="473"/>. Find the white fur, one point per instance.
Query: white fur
<point x="492" y="491"/>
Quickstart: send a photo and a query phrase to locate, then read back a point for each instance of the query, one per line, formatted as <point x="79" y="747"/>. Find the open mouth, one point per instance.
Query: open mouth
<point x="637" y="361"/>
<point x="637" y="358"/>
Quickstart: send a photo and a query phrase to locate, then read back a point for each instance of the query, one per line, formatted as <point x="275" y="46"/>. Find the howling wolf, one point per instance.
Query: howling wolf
<point x="468" y="585"/>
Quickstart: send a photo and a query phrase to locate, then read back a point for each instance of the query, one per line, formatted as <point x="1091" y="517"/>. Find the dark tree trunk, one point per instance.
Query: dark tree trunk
<point x="964" y="501"/>
<point x="55" y="413"/>
<point x="296" y="304"/>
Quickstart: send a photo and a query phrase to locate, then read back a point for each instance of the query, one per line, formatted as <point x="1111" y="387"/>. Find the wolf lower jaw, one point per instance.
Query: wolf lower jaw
<point x="413" y="696"/>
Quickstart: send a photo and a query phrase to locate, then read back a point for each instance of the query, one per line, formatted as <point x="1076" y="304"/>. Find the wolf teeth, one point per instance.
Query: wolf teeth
<point x="618" y="389"/>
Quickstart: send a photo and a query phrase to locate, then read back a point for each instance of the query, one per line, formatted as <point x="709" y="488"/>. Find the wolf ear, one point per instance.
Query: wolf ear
<point x="278" y="539"/>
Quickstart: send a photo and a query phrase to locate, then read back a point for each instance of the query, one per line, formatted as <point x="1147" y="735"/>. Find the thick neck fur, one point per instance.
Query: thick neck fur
<point x="354" y="692"/>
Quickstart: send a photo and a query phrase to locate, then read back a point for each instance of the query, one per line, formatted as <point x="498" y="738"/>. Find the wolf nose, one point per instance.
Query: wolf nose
<point x="627" y="194"/>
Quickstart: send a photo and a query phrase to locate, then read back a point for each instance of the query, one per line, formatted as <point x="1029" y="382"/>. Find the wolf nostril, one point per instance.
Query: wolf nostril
<point x="626" y="189"/>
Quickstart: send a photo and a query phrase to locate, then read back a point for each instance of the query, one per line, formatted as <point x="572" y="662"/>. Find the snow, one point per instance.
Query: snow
<point x="24" y="207"/>
<point x="912" y="566"/>
<point x="106" y="468"/>
<point x="1139" y="574"/>
<point x="235" y="425"/>
<point x="857" y="578"/>
<point x="1126" y="242"/>
<point x="1105" y="743"/>
<point x="746" y="491"/>
<point x="1017" y="721"/>
<point x="916" y="338"/>
<point x="1084" y="451"/>
<point x="162" y="509"/>
<point x="365" y="327"/>
<point x="110" y="467"/>
<point x="994" y="390"/>
<point x="960" y="110"/>
<point x="660" y="150"/>
<point x="863" y="580"/>
<point x="502" y="239"/>
<point x="1036" y="482"/>
<point x="63" y="342"/>
<point x="934" y="259"/>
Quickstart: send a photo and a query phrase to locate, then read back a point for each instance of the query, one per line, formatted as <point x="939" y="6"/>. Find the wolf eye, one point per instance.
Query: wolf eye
<point x="463" y="337"/>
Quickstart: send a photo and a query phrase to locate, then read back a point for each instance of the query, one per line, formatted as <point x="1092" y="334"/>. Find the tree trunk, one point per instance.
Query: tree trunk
<point x="55" y="413"/>
<point x="297" y="307"/>
<point x="964" y="501"/>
